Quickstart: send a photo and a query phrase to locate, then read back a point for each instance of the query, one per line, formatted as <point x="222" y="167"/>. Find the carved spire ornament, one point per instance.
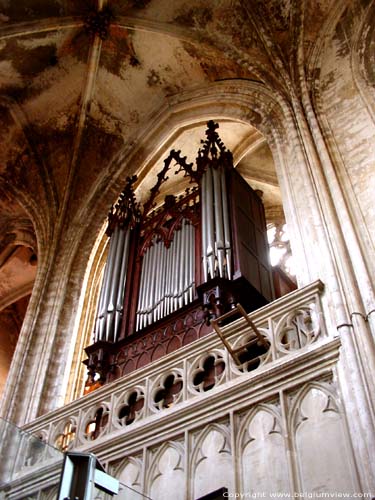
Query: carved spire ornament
<point x="126" y="212"/>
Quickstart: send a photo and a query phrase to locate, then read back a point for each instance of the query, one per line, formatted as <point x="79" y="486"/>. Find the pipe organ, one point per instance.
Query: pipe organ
<point x="172" y="269"/>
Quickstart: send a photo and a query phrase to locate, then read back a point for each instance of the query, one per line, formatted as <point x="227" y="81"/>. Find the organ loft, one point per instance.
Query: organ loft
<point x="174" y="265"/>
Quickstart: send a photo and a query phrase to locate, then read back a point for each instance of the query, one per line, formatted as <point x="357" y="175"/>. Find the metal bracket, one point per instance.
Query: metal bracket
<point x="255" y="340"/>
<point x="82" y="476"/>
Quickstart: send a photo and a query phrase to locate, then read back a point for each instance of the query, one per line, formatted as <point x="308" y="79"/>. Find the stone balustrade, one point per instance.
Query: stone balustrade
<point x="291" y="325"/>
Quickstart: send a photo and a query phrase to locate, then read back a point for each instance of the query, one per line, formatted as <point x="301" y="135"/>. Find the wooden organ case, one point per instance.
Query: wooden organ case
<point x="171" y="270"/>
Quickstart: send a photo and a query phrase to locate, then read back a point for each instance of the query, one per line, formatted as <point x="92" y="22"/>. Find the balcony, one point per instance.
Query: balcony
<point x="199" y="381"/>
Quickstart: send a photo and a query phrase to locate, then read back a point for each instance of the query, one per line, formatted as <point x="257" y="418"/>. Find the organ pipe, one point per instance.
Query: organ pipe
<point x="216" y="242"/>
<point x="204" y="226"/>
<point x="219" y="222"/>
<point x="114" y="284"/>
<point x="167" y="277"/>
<point x="208" y="199"/>
<point x="111" y="296"/>
<point x="178" y="272"/>
<point x="227" y="239"/>
<point x="121" y="287"/>
<point x="191" y="276"/>
<point x="102" y="317"/>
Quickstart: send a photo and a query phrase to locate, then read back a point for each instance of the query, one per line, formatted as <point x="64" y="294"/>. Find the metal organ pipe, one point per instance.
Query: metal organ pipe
<point x="167" y="277"/>
<point x="165" y="299"/>
<point x="142" y="290"/>
<point x="204" y="225"/>
<point x="219" y="223"/>
<point x="216" y="241"/>
<point x="157" y="277"/>
<point x="164" y="282"/>
<point x="175" y="271"/>
<point x="181" y="270"/>
<point x="163" y="287"/>
<point x="168" y="293"/>
<point x="150" y="283"/>
<point x="182" y="266"/>
<point x="99" y="317"/>
<point x="210" y="250"/>
<point x="227" y="238"/>
<point x="191" y="263"/>
<point x="113" y="285"/>
<point x="121" y="287"/>
<point x="158" y="281"/>
<point x="187" y="265"/>
<point x="102" y="316"/>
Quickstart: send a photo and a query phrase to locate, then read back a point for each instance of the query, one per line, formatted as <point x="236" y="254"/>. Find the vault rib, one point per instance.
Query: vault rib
<point x="147" y="26"/>
<point x="263" y="179"/>
<point x="87" y="93"/>
<point x="39" y="26"/>
<point x="249" y="145"/>
<point x="92" y="68"/>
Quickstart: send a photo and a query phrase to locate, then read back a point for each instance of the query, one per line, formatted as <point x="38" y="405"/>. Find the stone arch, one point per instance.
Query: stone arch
<point x="249" y="102"/>
<point x="241" y="439"/>
<point x="64" y="433"/>
<point x="326" y="31"/>
<point x="42" y="210"/>
<point x="242" y="101"/>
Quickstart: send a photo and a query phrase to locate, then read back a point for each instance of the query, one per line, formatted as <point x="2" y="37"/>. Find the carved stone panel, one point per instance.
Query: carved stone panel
<point x="129" y="474"/>
<point x="167" y="476"/>
<point x="264" y="466"/>
<point x="211" y="461"/>
<point x="319" y="432"/>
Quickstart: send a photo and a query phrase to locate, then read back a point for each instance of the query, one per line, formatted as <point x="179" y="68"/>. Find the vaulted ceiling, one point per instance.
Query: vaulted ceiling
<point x="80" y="80"/>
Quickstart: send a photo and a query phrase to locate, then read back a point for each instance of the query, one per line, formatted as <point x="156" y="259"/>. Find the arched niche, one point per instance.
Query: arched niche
<point x="211" y="461"/>
<point x="243" y="103"/>
<point x="263" y="452"/>
<point x="129" y="474"/>
<point x="318" y="429"/>
<point x="166" y="476"/>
